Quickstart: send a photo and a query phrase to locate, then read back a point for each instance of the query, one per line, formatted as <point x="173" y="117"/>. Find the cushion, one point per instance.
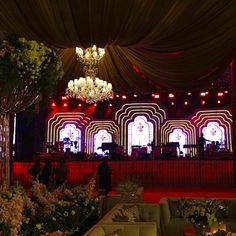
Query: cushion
<point x="117" y="232"/>
<point x="230" y="208"/>
<point x="128" y="213"/>
<point x="97" y="230"/>
<point x="174" y="206"/>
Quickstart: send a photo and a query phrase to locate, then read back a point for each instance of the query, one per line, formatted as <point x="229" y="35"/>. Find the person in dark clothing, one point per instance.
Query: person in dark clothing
<point x="35" y="171"/>
<point x="61" y="173"/>
<point x="47" y="173"/>
<point x="104" y="174"/>
<point x="201" y="145"/>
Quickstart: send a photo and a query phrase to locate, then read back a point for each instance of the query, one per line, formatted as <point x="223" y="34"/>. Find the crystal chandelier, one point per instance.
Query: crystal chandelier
<point x="90" y="89"/>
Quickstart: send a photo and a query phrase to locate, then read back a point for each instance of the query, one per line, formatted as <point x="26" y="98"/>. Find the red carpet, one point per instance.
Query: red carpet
<point x="154" y="195"/>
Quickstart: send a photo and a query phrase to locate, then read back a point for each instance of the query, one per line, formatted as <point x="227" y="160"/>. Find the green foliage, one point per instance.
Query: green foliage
<point x="23" y="61"/>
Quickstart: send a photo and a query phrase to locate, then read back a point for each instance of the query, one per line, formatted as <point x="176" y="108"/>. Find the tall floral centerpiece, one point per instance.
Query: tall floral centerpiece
<point x="27" y="68"/>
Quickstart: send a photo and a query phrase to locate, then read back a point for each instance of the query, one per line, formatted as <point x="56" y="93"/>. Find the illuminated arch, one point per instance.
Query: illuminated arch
<point x="185" y="125"/>
<point x="59" y="120"/>
<point x="221" y="117"/>
<point x="140" y="132"/>
<point x="93" y="128"/>
<point x="129" y="111"/>
<point x="102" y="136"/>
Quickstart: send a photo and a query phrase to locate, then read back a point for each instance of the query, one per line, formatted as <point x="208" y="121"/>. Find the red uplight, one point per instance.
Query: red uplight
<point x="172" y="103"/>
<point x="135" y="95"/>
<point x="189" y="94"/>
<point x="220" y="94"/>
<point x="124" y="97"/>
<point x="95" y="104"/>
<point x="110" y="105"/>
<point x="171" y="95"/>
<point x="65" y="104"/>
<point x="53" y="104"/>
<point x="80" y="105"/>
<point x="186" y="103"/>
<point x="226" y="91"/>
<point x="219" y="102"/>
<point x="203" y="102"/>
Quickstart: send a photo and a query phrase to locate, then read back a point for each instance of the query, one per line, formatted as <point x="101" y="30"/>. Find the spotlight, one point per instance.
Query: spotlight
<point x="220" y="94"/>
<point x="53" y="104"/>
<point x="203" y="102"/>
<point x="186" y="103"/>
<point x="110" y="105"/>
<point x="124" y="97"/>
<point x="219" y="102"/>
<point x="171" y="95"/>
<point x="156" y="96"/>
<point x="65" y="104"/>
<point x="64" y="97"/>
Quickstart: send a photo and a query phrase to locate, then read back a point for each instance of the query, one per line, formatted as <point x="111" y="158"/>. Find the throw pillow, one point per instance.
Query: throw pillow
<point x="174" y="206"/>
<point x="117" y="232"/>
<point x="128" y="213"/>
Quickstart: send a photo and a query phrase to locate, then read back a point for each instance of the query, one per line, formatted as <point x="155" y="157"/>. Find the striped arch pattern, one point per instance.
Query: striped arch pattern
<point x="129" y="111"/>
<point x="184" y="125"/>
<point x="60" y="119"/>
<point x="94" y="127"/>
<point x="223" y="117"/>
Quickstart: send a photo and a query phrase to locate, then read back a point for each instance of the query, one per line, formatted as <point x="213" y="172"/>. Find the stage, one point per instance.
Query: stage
<point x="211" y="171"/>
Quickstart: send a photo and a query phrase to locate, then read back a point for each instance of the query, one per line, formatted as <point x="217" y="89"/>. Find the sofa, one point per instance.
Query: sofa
<point x="173" y="225"/>
<point x="122" y="229"/>
<point x="109" y="201"/>
<point x="138" y="213"/>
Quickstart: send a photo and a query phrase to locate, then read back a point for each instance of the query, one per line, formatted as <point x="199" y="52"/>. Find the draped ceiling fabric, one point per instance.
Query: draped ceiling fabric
<point x="150" y="44"/>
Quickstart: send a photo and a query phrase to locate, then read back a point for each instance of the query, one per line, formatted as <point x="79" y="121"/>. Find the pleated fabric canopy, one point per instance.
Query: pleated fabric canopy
<point x="150" y="44"/>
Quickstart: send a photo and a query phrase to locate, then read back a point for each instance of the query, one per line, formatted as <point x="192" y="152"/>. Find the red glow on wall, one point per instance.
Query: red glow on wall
<point x="136" y="69"/>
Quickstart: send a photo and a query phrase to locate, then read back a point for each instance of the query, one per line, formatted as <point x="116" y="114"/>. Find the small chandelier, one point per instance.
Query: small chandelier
<point x="90" y="89"/>
<point x="90" y="56"/>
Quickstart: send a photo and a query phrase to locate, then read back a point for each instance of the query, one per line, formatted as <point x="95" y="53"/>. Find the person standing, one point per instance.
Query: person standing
<point x="201" y="145"/>
<point x="61" y="173"/>
<point x="35" y="171"/>
<point x="47" y="173"/>
<point x="104" y="176"/>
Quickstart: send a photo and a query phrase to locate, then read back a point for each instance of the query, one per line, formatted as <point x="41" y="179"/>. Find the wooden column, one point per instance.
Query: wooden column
<point x="233" y="104"/>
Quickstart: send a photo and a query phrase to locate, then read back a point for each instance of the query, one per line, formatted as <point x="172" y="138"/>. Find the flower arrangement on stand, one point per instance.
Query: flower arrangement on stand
<point x="57" y="213"/>
<point x="128" y="191"/>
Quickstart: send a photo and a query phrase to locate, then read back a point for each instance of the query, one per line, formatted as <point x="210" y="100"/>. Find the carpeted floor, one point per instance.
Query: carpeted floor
<point x="154" y="195"/>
